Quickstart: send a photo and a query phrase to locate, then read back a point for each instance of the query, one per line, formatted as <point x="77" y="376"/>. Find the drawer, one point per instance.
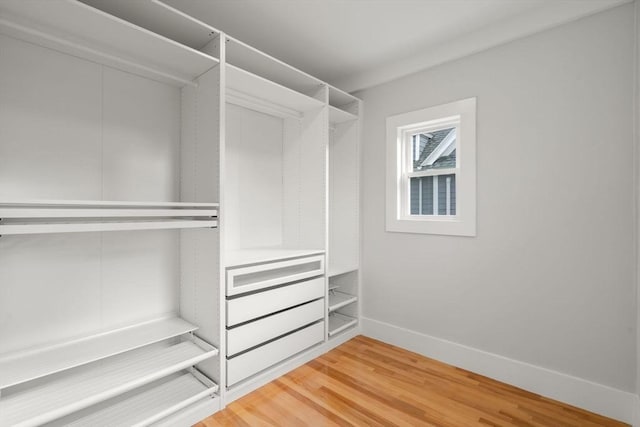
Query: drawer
<point x="261" y="330"/>
<point x="255" y="277"/>
<point x="254" y="361"/>
<point x="249" y="307"/>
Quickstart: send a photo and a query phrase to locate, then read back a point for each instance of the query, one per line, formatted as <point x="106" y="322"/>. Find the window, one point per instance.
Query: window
<point x="431" y="170"/>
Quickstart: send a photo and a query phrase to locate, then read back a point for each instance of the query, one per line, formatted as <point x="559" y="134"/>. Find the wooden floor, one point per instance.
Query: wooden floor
<point x="365" y="382"/>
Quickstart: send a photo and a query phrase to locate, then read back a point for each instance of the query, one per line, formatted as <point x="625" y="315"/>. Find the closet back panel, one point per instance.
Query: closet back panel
<point x="254" y="175"/>
<point x="72" y="129"/>
<point x="50" y="121"/>
<point x="343" y="197"/>
<point x="304" y="178"/>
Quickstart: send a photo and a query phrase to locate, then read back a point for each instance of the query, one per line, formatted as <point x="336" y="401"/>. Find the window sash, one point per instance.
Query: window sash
<point x="432" y="172"/>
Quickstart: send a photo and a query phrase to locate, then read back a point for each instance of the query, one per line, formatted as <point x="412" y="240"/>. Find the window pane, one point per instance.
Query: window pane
<point x="434" y="150"/>
<point x="433" y="192"/>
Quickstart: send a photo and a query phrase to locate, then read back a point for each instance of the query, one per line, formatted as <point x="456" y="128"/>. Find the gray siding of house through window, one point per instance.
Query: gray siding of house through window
<point x="422" y="201"/>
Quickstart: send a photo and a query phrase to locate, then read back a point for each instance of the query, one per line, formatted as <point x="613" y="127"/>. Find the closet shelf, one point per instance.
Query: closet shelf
<point x="160" y="18"/>
<point x="75" y="28"/>
<point x="251" y="59"/>
<point x="148" y="406"/>
<point x="254" y="92"/>
<point x="336" y="115"/>
<point x="339" y="98"/>
<point x="19" y="367"/>
<point x="338" y="270"/>
<point x="77" y="390"/>
<point x="77" y="227"/>
<point x="340" y="299"/>
<point x="339" y="322"/>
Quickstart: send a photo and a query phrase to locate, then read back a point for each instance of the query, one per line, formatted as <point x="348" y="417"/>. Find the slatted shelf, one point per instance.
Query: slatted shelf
<point x="75" y="28"/>
<point x="255" y="92"/>
<point x="19" y="367"/>
<point x="149" y="406"/>
<point x="340" y="299"/>
<point x="339" y="322"/>
<point x="111" y="377"/>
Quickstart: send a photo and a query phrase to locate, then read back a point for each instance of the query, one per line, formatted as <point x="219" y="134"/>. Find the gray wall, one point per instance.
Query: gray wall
<point x="549" y="279"/>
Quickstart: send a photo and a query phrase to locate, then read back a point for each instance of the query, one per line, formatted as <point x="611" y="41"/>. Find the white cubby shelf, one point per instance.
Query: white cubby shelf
<point x="66" y="216"/>
<point x="78" y="29"/>
<point x="83" y="388"/>
<point x="340" y="322"/>
<point x="340" y="299"/>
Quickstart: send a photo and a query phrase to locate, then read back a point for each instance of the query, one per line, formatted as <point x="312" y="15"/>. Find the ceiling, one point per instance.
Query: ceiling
<point x="354" y="44"/>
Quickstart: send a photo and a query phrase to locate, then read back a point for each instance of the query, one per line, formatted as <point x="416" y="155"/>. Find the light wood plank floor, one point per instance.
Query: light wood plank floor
<point x="365" y="382"/>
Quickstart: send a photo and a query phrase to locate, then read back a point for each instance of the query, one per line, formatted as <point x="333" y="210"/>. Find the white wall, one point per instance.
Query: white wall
<point x="549" y="279"/>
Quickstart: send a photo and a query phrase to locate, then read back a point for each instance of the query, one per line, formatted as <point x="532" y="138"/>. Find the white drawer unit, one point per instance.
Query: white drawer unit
<point x="254" y="361"/>
<point x="249" y="307"/>
<point x="259" y="331"/>
<point x="255" y="277"/>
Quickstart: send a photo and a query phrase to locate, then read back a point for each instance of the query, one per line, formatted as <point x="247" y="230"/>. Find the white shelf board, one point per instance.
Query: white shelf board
<point x="80" y="30"/>
<point x="245" y="88"/>
<point x="251" y="59"/>
<point x="31" y="212"/>
<point x="261" y="255"/>
<point x="104" y="203"/>
<point x="85" y="387"/>
<point x="149" y="406"/>
<point x="338" y="97"/>
<point x="19" y="367"/>
<point x="336" y="270"/>
<point x="336" y="115"/>
<point x="339" y="322"/>
<point x="159" y="18"/>
<point x="79" y="227"/>
<point x="340" y="299"/>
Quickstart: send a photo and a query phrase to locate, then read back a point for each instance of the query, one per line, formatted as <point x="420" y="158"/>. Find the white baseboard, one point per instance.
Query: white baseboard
<point x="271" y="374"/>
<point x="598" y="398"/>
<point x="636" y="412"/>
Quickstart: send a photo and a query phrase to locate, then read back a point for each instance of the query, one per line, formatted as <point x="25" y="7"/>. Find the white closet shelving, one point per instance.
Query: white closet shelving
<point x="82" y="388"/>
<point x="35" y="363"/>
<point x="75" y="28"/>
<point x="340" y="299"/>
<point x="340" y="322"/>
<point x="104" y="134"/>
<point x="344" y="221"/>
<point x="123" y="116"/>
<point x="146" y="407"/>
<point x="37" y="217"/>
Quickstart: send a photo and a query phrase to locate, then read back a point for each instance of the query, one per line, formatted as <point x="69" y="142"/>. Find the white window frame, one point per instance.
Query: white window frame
<point x="462" y="115"/>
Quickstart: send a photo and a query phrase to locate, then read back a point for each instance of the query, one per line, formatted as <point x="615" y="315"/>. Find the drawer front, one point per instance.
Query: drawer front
<point x="255" y="277"/>
<point x="249" y="307"/>
<point x="259" y="331"/>
<point x="254" y="361"/>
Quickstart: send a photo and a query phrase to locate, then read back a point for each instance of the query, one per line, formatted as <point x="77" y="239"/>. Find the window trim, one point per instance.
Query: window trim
<point x="398" y="218"/>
